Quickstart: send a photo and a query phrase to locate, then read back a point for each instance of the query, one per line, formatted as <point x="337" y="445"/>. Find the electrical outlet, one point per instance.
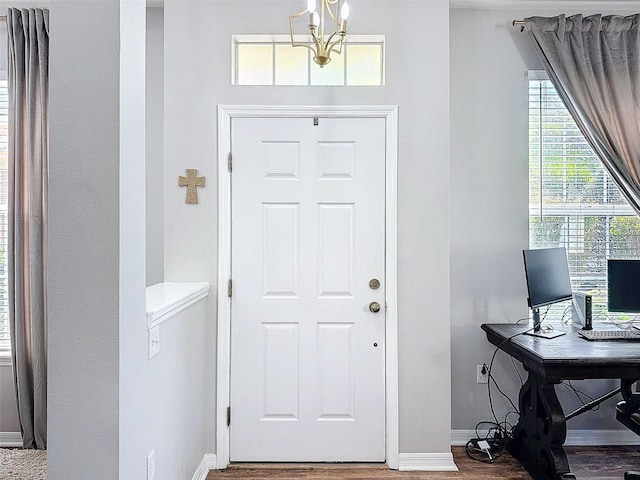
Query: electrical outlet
<point x="151" y="465"/>
<point x="482" y="374"/>
<point x="154" y="341"/>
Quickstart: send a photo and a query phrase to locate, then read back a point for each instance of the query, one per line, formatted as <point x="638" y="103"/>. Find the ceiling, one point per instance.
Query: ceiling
<point x="510" y="4"/>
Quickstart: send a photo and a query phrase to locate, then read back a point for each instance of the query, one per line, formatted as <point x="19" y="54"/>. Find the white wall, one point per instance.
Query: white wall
<point x="178" y="396"/>
<point x="197" y="79"/>
<point x="135" y="417"/>
<point x="489" y="208"/>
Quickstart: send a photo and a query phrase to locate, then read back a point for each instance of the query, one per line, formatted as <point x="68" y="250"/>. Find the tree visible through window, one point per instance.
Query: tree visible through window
<point x="572" y="200"/>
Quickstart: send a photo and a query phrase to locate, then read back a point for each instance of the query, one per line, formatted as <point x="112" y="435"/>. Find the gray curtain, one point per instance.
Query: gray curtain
<point x="28" y="41"/>
<point x="594" y="63"/>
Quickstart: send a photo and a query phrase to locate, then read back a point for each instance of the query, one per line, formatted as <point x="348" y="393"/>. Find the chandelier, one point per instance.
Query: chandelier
<point x="324" y="42"/>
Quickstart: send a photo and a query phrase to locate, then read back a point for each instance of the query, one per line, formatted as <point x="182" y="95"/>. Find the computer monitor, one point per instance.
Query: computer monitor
<point x="623" y="284"/>
<point x="548" y="280"/>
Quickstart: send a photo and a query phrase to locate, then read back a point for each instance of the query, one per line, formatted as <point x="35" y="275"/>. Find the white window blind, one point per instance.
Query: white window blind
<point x="572" y="200"/>
<point x="4" y="183"/>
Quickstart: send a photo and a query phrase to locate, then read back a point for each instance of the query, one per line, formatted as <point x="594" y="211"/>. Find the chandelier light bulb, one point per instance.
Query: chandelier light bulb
<point x="344" y="11"/>
<point x="311" y="6"/>
<point x="344" y="14"/>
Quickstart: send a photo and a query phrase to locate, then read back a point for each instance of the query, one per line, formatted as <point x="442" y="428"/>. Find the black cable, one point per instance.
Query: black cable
<point x="544" y="315"/>
<point x="500" y="433"/>
<point x="508" y="339"/>
<point x="491" y="378"/>
<point x="496" y="439"/>
<point x="577" y="393"/>
<point x="515" y="367"/>
<point x="471" y="450"/>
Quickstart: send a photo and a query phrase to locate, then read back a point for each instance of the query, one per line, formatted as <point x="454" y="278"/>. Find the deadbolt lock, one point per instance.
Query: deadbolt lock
<point x="374" y="307"/>
<point x="374" y="284"/>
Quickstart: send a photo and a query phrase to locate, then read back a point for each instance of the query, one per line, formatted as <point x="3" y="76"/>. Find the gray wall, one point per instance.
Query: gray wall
<point x="8" y="411"/>
<point x="489" y="208"/>
<point x="84" y="243"/>
<point x="155" y="146"/>
<point x="197" y="79"/>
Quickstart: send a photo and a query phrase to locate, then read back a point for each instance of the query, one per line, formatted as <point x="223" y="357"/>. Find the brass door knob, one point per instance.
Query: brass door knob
<point x="374" y="307"/>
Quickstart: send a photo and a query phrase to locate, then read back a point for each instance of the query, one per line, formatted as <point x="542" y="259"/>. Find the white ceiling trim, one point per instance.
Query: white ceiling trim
<point x="545" y="4"/>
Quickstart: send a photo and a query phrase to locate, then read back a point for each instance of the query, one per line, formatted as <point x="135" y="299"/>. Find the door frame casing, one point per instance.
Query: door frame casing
<point x="223" y="365"/>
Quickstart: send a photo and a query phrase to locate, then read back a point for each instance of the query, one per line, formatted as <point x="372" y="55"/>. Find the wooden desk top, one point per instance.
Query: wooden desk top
<point x="568" y="357"/>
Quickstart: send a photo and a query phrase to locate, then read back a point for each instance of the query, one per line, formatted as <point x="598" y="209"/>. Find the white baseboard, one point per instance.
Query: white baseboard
<point x="10" y="439"/>
<point x="208" y="463"/>
<point x="426" y="462"/>
<point x="601" y="437"/>
<point x="575" y="438"/>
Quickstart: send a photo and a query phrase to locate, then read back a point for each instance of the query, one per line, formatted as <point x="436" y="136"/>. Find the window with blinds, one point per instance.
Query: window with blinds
<point x="4" y="184"/>
<point x="573" y="202"/>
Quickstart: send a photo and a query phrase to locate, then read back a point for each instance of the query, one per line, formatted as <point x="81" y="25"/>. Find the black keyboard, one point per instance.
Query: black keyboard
<point x="617" y="334"/>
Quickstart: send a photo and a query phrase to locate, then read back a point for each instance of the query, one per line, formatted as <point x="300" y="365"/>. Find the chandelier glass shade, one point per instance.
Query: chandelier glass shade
<point x="327" y="28"/>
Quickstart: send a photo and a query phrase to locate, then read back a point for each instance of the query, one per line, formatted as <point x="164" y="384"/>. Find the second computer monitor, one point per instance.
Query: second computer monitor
<point x="623" y="283"/>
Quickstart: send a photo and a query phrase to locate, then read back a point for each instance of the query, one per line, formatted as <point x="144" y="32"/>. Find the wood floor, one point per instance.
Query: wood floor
<point x="587" y="463"/>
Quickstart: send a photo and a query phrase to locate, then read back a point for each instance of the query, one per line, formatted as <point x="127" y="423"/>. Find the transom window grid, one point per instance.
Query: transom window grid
<point x="574" y="203"/>
<point x="270" y="60"/>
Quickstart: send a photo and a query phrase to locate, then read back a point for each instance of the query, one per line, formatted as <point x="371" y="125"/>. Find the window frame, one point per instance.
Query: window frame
<point x="274" y="40"/>
<point x="571" y="211"/>
<point x="5" y="345"/>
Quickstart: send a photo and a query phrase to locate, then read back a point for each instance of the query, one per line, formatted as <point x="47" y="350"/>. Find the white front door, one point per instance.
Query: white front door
<point x="307" y="353"/>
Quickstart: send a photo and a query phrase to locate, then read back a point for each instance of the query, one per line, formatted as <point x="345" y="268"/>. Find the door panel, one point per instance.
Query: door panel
<point x="307" y="354"/>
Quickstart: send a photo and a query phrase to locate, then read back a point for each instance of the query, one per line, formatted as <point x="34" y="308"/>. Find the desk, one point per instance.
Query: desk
<point x="541" y="429"/>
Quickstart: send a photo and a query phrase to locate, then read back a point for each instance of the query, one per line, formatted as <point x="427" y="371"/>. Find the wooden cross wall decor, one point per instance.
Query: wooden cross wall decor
<point x="191" y="181"/>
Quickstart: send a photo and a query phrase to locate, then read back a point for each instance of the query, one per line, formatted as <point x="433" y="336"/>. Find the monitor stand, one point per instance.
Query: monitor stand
<point x="539" y="331"/>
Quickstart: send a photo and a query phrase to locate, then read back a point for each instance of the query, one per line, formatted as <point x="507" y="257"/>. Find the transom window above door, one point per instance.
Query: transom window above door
<point x="271" y="60"/>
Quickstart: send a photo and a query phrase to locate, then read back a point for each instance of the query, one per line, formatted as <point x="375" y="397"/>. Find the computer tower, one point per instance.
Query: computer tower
<point x="581" y="310"/>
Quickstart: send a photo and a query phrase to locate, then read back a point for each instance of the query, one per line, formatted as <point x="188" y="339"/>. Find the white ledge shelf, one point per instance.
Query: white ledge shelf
<point x="164" y="300"/>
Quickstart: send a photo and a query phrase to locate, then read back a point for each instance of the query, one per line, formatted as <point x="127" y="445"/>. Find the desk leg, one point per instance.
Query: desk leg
<point x="541" y="431"/>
